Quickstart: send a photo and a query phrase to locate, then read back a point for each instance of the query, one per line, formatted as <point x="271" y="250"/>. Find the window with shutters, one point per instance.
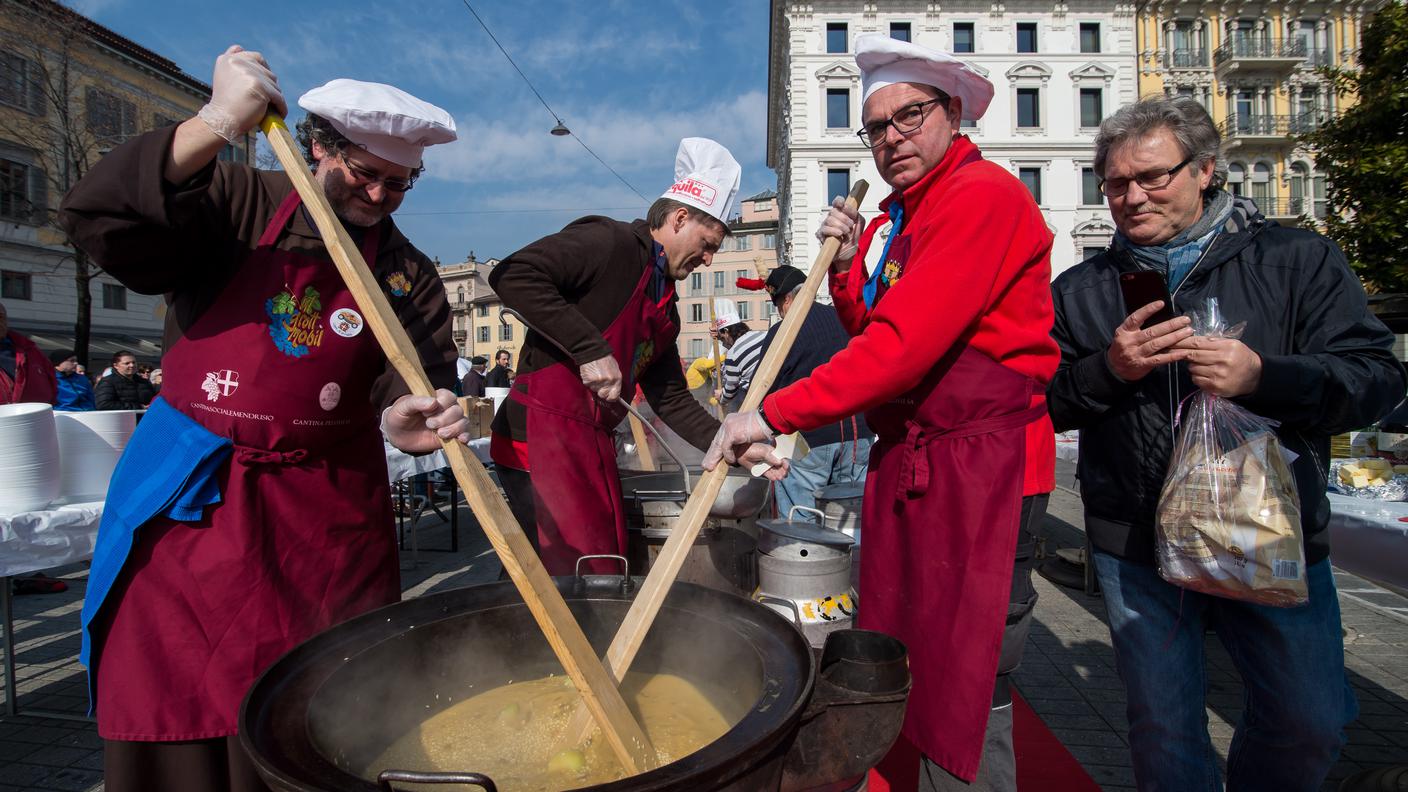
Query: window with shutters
<point x="745" y="310"/>
<point x="21" y="83"/>
<point x="696" y="282"/>
<point x="23" y="192"/>
<point x="110" y="117"/>
<point x="769" y="241"/>
<point x="696" y="312"/>
<point x="114" y="297"/>
<point x="505" y="332"/>
<point x="744" y="242"/>
<point x="482" y="334"/>
<point x="719" y="282"/>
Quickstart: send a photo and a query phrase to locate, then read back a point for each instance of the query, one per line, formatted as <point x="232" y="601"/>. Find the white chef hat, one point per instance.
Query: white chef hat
<point x="382" y="119"/>
<point x="706" y="177"/>
<point x="725" y="313"/>
<point x="884" y="61"/>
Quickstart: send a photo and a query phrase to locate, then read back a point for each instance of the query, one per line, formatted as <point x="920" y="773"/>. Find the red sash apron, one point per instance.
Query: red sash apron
<point x="283" y="365"/>
<point x="943" y="500"/>
<point x="577" y="488"/>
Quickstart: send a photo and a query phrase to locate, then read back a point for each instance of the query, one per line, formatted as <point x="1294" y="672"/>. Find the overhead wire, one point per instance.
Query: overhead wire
<point x="553" y="113"/>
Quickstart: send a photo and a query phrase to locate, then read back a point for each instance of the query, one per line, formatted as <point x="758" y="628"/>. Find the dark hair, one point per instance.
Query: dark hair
<point x="735" y="331"/>
<point x="661" y="210"/>
<point x="120" y="354"/>
<point x="503" y="352"/>
<point x="316" y="129"/>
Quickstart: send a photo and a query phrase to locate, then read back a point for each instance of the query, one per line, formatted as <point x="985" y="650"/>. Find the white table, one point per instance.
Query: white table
<point x="35" y="540"/>
<point x="1370" y="538"/>
<point x="401" y="465"/>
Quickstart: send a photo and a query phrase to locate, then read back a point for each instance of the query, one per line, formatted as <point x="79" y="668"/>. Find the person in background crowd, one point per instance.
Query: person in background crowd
<point x="473" y="383"/>
<point x="1312" y="357"/>
<point x="75" y="394"/>
<point x="26" y="375"/>
<point x="123" y="389"/>
<point x="951" y="313"/>
<point x="500" y="376"/>
<point x="252" y="506"/>
<point x="839" y="450"/>
<point x="743" y="347"/>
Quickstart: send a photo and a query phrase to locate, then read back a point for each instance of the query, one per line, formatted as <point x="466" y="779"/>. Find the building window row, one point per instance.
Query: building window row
<point x="1026" y="36"/>
<point x="23" y="192"/>
<point x="699" y="312"/>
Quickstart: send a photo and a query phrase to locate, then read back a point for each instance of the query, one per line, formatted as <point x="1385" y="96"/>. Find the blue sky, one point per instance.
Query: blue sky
<point x="630" y="77"/>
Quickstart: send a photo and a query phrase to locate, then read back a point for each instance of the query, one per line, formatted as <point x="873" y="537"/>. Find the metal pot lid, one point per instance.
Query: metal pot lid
<point x="844" y="490"/>
<point x="806" y="531"/>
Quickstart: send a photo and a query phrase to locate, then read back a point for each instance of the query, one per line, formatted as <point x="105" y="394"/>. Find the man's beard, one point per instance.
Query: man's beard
<point x="342" y="197"/>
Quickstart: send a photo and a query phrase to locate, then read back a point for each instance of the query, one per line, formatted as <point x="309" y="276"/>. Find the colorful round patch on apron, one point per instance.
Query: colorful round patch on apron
<point x="399" y="284"/>
<point x="346" y="322"/>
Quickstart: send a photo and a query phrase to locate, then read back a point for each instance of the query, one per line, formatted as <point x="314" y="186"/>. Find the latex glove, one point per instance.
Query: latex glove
<point x="240" y="94"/>
<point x="843" y="224"/>
<point x="736" y="436"/>
<point x="602" y="377"/>
<point x="762" y="452"/>
<point x="415" y="424"/>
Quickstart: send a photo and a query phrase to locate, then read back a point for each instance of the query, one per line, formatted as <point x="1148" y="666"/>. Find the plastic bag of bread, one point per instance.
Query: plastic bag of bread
<point x="1228" y="520"/>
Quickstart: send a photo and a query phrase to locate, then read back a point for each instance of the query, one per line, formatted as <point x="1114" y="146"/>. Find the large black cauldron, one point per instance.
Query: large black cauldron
<point x="316" y="717"/>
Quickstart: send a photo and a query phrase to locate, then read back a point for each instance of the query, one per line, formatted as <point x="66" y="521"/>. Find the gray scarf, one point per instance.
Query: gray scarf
<point x="1176" y="257"/>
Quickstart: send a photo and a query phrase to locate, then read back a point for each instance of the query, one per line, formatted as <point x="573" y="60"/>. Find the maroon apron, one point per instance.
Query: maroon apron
<point x="576" y="486"/>
<point x="943" y="501"/>
<point x="283" y="365"/>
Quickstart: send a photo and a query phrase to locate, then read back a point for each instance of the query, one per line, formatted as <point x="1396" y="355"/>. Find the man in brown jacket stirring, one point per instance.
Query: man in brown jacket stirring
<point x="604" y="290"/>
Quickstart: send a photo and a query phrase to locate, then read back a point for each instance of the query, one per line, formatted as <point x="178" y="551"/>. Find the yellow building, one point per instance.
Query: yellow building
<point x="1254" y="65"/>
<point x="70" y="90"/>
<point x="474" y="308"/>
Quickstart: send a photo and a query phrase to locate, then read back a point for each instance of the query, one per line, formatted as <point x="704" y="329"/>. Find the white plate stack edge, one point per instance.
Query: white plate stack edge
<point x="90" y="443"/>
<point x="29" y="457"/>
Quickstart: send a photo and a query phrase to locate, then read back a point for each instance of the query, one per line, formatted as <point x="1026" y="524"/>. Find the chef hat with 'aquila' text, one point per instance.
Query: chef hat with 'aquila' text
<point x="382" y="119"/>
<point x="706" y="177"/>
<point x="885" y="61"/>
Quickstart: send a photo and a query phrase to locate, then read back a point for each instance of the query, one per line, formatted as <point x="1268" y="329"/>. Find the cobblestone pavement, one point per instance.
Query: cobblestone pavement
<point x="1068" y="674"/>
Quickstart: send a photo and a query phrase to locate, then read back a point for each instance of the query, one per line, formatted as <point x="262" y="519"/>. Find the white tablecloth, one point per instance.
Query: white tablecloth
<point x="1369" y="538"/>
<point x="1068" y="446"/>
<point x="35" y="540"/>
<point x="402" y="465"/>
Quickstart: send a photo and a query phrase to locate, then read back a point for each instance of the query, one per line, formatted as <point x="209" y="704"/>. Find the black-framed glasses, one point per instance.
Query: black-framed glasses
<point x="905" y="120"/>
<point x="366" y="176"/>
<point x="1148" y="181"/>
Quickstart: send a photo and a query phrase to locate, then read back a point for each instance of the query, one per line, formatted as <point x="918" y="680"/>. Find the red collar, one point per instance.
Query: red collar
<point x="961" y="151"/>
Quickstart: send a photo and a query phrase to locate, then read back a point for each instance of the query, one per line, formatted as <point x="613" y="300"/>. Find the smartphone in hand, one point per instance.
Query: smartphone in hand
<point x="1143" y="287"/>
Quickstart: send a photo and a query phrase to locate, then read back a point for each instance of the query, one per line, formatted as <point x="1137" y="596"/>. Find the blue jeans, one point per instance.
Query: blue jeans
<point x="1296" y="701"/>
<point x="832" y="463"/>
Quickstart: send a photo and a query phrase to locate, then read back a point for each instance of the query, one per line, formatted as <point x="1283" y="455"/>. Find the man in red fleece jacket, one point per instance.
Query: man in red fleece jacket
<point x="950" y="359"/>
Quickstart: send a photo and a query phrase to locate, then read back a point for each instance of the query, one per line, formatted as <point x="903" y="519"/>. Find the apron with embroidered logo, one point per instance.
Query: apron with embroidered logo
<point x="576" y="485"/>
<point x="283" y="365"/>
<point x="943" y="501"/>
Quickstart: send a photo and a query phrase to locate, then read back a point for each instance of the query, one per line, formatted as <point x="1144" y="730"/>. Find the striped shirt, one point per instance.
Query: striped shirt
<point x="741" y="361"/>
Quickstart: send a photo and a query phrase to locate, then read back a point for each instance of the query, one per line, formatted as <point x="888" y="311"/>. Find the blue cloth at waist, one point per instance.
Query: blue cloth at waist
<point x="168" y="468"/>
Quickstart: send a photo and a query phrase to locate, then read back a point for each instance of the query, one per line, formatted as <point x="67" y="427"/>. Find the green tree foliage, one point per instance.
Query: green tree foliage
<point x="1364" y="155"/>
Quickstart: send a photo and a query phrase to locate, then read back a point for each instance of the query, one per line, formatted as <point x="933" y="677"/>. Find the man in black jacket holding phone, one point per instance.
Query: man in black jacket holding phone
<point x="1312" y="358"/>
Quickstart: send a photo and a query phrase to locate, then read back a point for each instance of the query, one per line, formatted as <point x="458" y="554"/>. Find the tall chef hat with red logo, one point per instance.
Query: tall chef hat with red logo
<point x="885" y="61"/>
<point x="382" y="119"/>
<point x="706" y="177"/>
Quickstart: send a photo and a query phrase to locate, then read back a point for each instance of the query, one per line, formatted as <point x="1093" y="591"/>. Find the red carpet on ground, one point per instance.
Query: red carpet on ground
<point x="1043" y="763"/>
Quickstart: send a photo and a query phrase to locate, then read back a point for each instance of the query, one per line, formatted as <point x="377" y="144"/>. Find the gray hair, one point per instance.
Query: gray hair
<point x="1186" y="119"/>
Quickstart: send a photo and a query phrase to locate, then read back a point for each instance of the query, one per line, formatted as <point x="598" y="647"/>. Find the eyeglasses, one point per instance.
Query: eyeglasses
<point x="1148" y="181"/>
<point x="365" y="175"/>
<point x="905" y="120"/>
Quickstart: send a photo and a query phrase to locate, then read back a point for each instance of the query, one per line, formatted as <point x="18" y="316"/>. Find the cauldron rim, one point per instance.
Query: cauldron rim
<point x="717" y="760"/>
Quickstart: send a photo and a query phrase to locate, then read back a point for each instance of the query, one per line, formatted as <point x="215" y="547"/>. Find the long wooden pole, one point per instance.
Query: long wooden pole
<point x="666" y="568"/>
<point x="568" y="642"/>
<point x="718" y="369"/>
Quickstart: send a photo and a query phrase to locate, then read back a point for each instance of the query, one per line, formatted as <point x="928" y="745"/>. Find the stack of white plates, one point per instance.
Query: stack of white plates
<point x="90" y="443"/>
<point x="29" y="457"/>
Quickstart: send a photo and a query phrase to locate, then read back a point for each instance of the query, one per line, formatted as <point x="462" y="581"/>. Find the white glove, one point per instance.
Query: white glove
<point x="762" y="452"/>
<point x="736" y="436"/>
<point x="844" y="224"/>
<point x="241" y="92"/>
<point x="415" y="424"/>
<point x="602" y="377"/>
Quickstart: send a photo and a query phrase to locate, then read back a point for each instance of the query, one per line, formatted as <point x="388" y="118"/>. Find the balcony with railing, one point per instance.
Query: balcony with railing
<point x="1186" y="59"/>
<point x="1248" y="55"/>
<point x="1248" y="128"/>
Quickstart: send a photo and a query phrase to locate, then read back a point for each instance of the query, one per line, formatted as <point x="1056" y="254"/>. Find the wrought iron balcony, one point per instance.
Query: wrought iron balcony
<point x="1186" y="59"/>
<point x="1255" y="54"/>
